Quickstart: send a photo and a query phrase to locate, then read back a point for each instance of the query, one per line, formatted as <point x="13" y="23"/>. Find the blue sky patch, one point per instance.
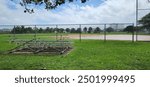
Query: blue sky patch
<point x="11" y="5"/>
<point x="93" y="11"/>
<point x="93" y="3"/>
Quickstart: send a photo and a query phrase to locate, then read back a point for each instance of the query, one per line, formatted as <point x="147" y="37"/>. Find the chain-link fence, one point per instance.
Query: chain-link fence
<point x="111" y="31"/>
<point x="57" y="38"/>
<point x="142" y="25"/>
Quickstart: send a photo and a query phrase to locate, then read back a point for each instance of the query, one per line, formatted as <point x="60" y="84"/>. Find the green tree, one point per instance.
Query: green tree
<point x="18" y="30"/>
<point x="85" y="29"/>
<point x="145" y="21"/>
<point x="97" y="30"/>
<point x="109" y="29"/>
<point x="13" y="30"/>
<point x="49" y="4"/>
<point x="23" y="29"/>
<point x="129" y="29"/>
<point x="47" y="30"/>
<point x="73" y="30"/>
<point x="61" y="30"/>
<point x="67" y="30"/>
<point x="40" y="30"/>
<point x="52" y="30"/>
<point x="78" y="30"/>
<point x="90" y="30"/>
<point x="29" y="30"/>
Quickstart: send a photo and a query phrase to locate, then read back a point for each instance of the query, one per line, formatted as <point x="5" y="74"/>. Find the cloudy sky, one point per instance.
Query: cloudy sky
<point x="93" y="11"/>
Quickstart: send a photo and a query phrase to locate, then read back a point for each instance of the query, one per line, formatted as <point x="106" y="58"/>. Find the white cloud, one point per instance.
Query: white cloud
<point x="111" y="11"/>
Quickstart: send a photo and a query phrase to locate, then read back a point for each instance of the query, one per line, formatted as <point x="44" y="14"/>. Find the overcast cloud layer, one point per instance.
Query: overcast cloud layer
<point x="111" y="11"/>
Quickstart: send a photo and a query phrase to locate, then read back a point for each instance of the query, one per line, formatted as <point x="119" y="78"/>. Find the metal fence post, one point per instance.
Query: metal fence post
<point x="104" y="32"/>
<point x="35" y="33"/>
<point x="133" y="33"/>
<point x="14" y="36"/>
<point x="56" y="32"/>
<point x="137" y="19"/>
<point x="80" y="32"/>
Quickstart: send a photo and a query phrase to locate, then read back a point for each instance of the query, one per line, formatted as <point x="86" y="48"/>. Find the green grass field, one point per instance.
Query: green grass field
<point x="86" y="55"/>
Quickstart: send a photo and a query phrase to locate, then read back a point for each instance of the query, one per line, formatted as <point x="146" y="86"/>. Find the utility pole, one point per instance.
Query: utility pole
<point x="80" y="32"/>
<point x="136" y="22"/>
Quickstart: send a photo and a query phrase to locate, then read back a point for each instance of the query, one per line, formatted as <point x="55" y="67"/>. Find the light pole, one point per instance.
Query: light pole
<point x="136" y="22"/>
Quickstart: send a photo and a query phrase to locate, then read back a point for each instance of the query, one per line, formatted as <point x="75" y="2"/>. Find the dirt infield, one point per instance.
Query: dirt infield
<point x="109" y="37"/>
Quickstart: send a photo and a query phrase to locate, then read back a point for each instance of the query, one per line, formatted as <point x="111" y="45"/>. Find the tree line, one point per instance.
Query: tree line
<point x="23" y="29"/>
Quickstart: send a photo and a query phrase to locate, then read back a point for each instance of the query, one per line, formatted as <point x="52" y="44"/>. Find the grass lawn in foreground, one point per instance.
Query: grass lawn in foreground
<point x="86" y="55"/>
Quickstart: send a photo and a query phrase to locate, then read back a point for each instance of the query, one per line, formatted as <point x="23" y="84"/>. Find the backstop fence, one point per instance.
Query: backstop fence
<point x="108" y="31"/>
